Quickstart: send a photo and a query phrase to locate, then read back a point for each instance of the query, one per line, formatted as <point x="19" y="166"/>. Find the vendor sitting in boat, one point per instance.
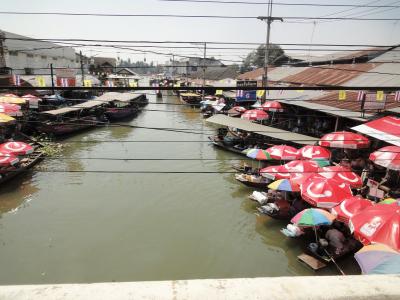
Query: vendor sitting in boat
<point x="277" y="209"/>
<point x="336" y="242"/>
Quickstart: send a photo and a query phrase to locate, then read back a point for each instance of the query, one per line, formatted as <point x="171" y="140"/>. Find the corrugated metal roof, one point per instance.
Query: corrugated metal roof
<point x="351" y="103"/>
<point x="252" y="75"/>
<point x="279" y="73"/>
<point x="384" y="75"/>
<point x="329" y="74"/>
<point x="262" y="130"/>
<point x="328" y="109"/>
<point x="392" y="55"/>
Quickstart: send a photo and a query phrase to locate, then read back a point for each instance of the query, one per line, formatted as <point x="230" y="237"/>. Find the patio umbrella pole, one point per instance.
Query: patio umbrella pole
<point x="334" y="262"/>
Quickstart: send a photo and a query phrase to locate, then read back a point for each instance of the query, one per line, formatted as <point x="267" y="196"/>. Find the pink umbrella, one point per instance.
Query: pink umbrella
<point x="342" y="174"/>
<point x="350" y="206"/>
<point x="323" y="192"/>
<point x="10" y="109"/>
<point x="273" y="106"/>
<point x="388" y="157"/>
<point x="7" y="159"/>
<point x="16" y="148"/>
<point x="255" y="115"/>
<point x="283" y="152"/>
<point x="314" y="152"/>
<point x="344" y="139"/>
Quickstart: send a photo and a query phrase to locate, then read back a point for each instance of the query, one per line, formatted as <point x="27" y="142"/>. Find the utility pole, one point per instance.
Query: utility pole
<point x="83" y="75"/>
<point x="269" y="19"/>
<point x="204" y="70"/>
<point x="52" y="78"/>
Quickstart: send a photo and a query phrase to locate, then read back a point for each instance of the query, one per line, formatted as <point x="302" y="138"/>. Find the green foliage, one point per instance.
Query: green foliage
<point x="255" y="59"/>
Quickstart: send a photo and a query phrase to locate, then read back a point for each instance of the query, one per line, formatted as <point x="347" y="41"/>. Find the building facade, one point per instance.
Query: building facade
<point x="25" y="56"/>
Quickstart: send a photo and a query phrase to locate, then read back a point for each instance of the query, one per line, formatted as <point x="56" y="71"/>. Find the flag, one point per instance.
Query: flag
<point x="300" y="91"/>
<point x="109" y="83"/>
<point x="17" y="80"/>
<point x="239" y="93"/>
<point x="40" y="81"/>
<point x="360" y="96"/>
<point x="218" y="92"/>
<point x="260" y="93"/>
<point x="379" y="95"/>
<point x="132" y="83"/>
<point x="87" y="83"/>
<point x="397" y="96"/>
<point x="280" y="92"/>
<point x="64" y="82"/>
<point x="342" y="95"/>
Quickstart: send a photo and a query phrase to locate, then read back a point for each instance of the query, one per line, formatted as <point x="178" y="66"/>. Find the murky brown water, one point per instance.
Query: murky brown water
<point x="95" y="227"/>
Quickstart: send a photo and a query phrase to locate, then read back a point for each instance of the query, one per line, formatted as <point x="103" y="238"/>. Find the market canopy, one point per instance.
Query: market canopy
<point x="4" y="119"/>
<point x="272" y="132"/>
<point x="61" y="111"/>
<point x="115" y="96"/>
<point x="386" y="129"/>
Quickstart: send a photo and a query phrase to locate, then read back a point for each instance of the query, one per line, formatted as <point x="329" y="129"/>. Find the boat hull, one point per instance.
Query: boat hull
<point x="115" y="114"/>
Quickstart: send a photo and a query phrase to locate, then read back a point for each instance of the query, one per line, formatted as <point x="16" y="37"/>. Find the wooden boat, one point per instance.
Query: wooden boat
<point x="253" y="181"/>
<point x="221" y="144"/>
<point x="273" y="215"/>
<point x="26" y="163"/>
<point x="326" y="256"/>
<point x="190" y="98"/>
<point x="121" y="112"/>
<point x="65" y="121"/>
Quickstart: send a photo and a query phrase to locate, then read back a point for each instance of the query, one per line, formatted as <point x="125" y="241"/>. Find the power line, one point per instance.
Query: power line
<point x="190" y="16"/>
<point x="283" y="3"/>
<point x="194" y="42"/>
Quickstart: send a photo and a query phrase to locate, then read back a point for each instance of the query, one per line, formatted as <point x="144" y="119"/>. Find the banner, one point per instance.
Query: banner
<point x="132" y="83"/>
<point x="379" y="96"/>
<point x="219" y="92"/>
<point x="260" y="93"/>
<point x="397" y="96"/>
<point x="17" y="80"/>
<point x="342" y="95"/>
<point x="87" y="83"/>
<point x="242" y="96"/>
<point x="40" y="81"/>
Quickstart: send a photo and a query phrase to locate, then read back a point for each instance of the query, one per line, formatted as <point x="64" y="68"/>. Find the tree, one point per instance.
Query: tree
<point x="255" y="59"/>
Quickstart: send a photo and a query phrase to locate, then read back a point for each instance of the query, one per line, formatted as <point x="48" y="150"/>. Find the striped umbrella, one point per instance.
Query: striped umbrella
<point x="378" y="259"/>
<point x="344" y="139"/>
<point x="313" y="217"/>
<point x="388" y="157"/>
<point x="284" y="185"/>
<point x="258" y="154"/>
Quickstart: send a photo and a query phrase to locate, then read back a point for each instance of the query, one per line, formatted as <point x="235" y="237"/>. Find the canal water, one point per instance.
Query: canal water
<point x="78" y="227"/>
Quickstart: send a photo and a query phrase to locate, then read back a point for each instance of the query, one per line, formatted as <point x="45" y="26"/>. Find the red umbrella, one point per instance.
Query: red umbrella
<point x="288" y="170"/>
<point x="274" y="106"/>
<point x="344" y="139"/>
<point x="16" y="148"/>
<point x="388" y="157"/>
<point x="283" y="152"/>
<point x="350" y="206"/>
<point x="323" y="192"/>
<point x="236" y="111"/>
<point x="314" y="152"/>
<point x="275" y="172"/>
<point x="342" y="174"/>
<point x="7" y="159"/>
<point x="378" y="224"/>
<point x="255" y="115"/>
<point x="10" y="109"/>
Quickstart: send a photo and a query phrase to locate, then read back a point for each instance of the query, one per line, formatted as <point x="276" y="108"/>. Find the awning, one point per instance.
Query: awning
<point x="89" y="104"/>
<point x="61" y="111"/>
<point x="272" y="132"/>
<point x="386" y="129"/>
<point x="115" y="96"/>
<point x="330" y="110"/>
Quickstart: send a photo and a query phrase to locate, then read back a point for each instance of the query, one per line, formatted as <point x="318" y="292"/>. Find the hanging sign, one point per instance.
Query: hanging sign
<point x="342" y="95"/>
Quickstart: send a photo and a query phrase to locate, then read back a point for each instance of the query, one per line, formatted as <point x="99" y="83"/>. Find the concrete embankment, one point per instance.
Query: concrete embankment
<point x="322" y="287"/>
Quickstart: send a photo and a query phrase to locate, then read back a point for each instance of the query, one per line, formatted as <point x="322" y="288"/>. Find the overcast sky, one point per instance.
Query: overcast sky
<point x="180" y="29"/>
